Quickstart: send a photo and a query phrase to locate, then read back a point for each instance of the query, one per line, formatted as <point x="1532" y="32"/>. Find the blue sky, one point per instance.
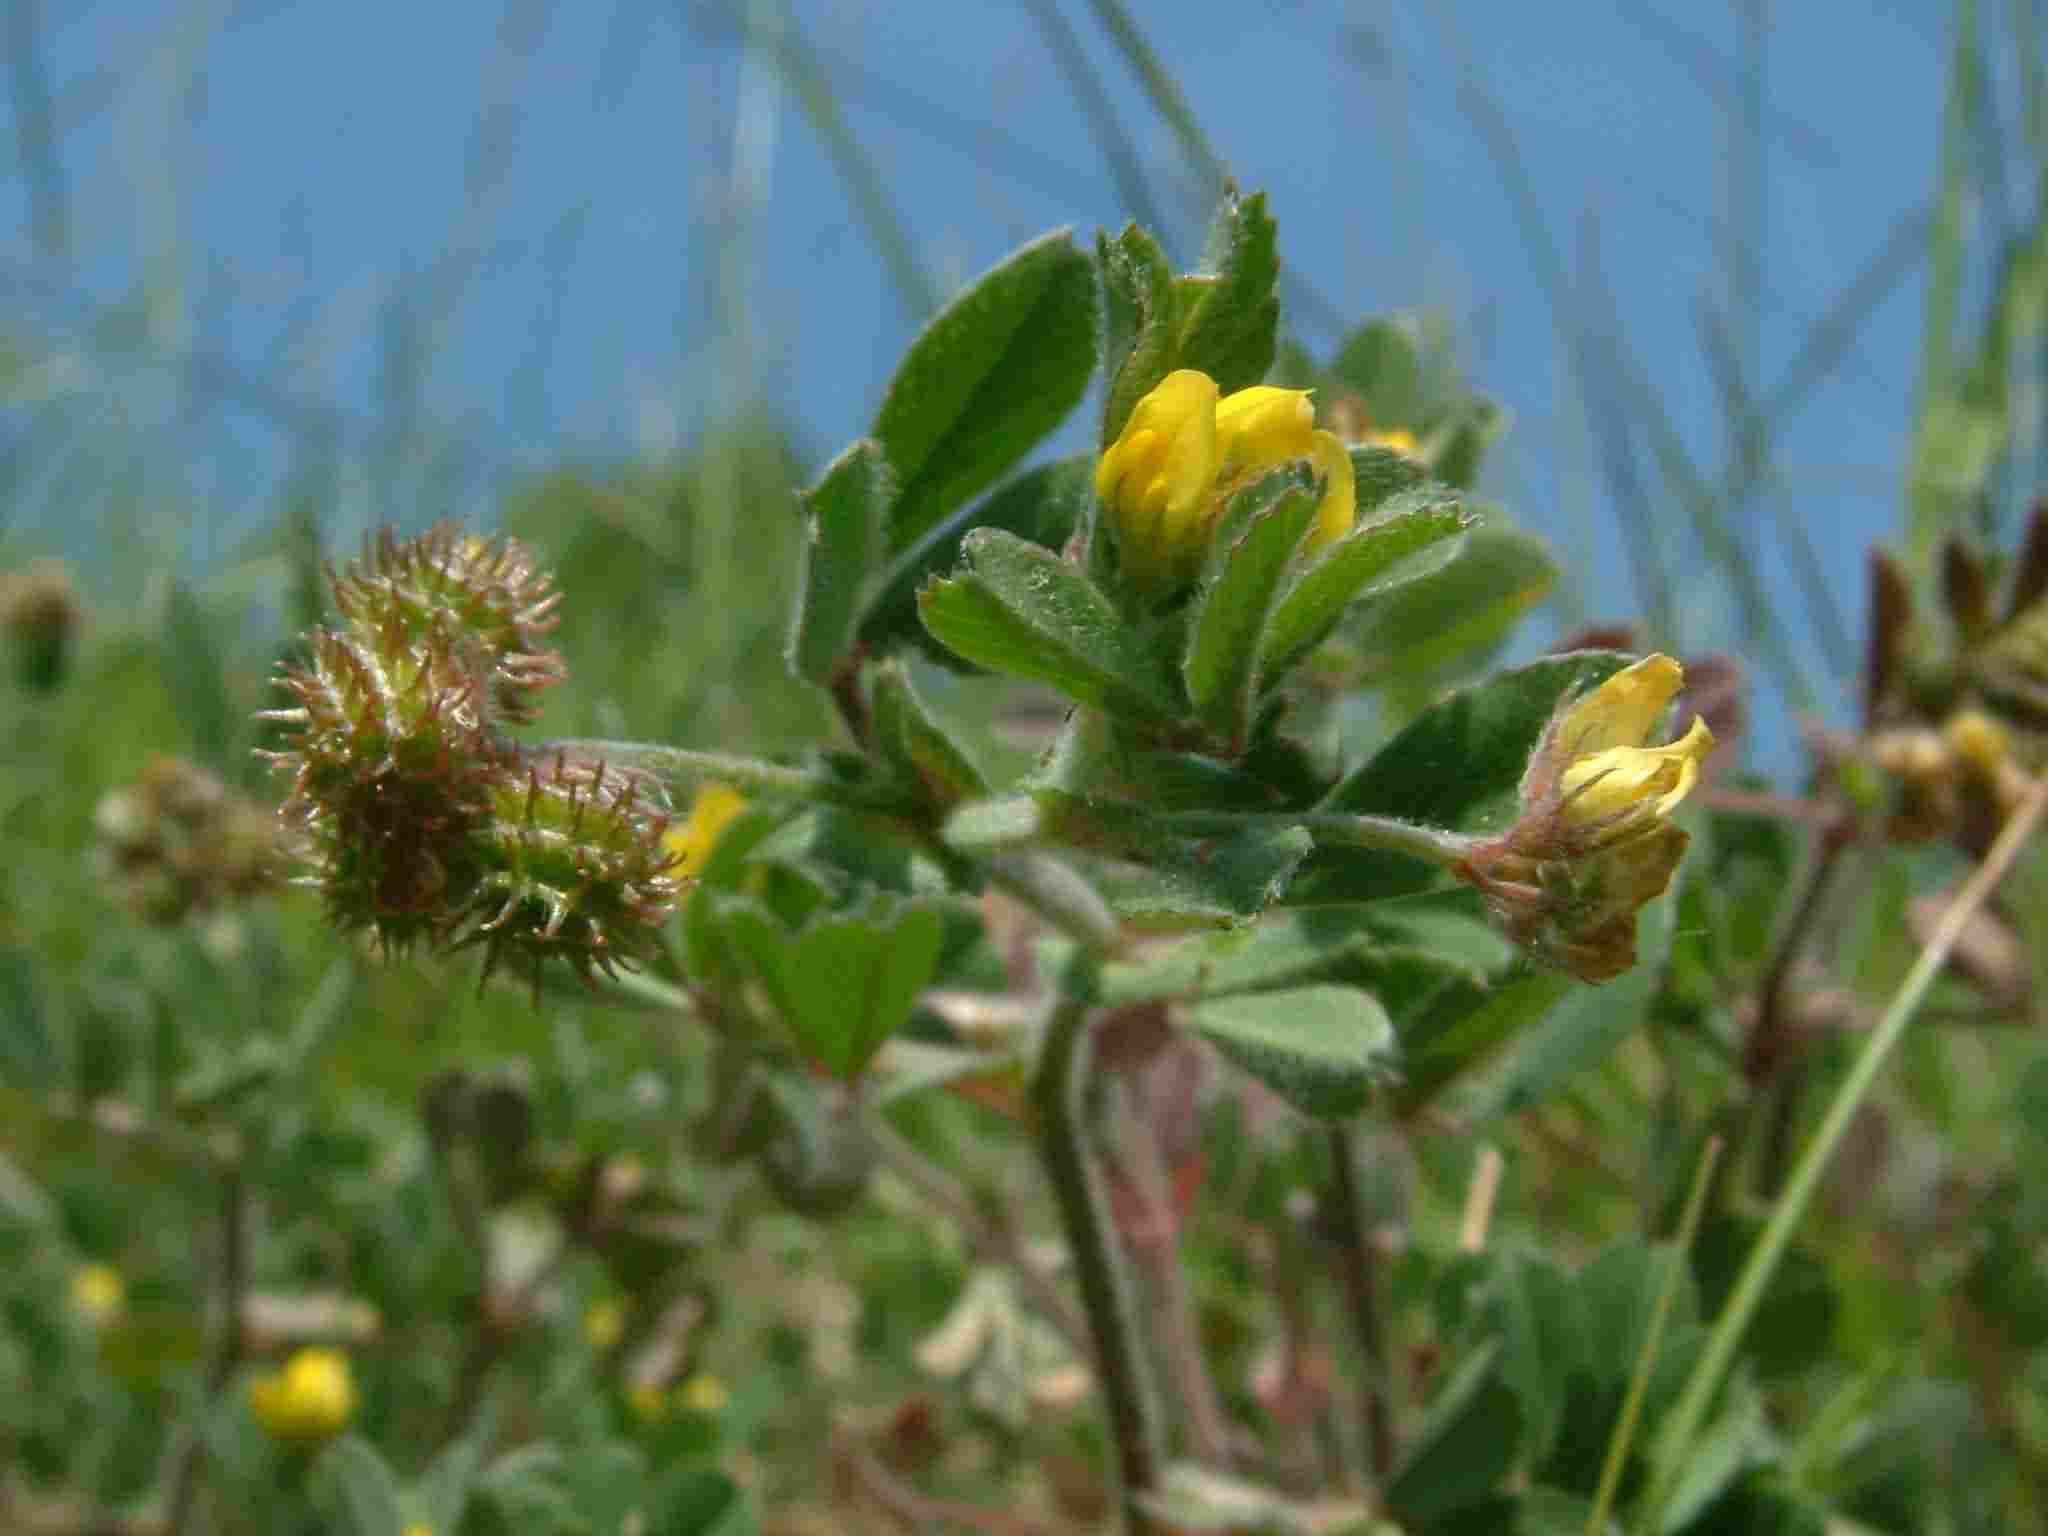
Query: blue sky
<point x="545" y="189"/>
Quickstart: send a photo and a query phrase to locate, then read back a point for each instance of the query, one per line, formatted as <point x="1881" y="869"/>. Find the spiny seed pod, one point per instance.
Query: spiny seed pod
<point x="420" y="820"/>
<point x="489" y="588"/>
<point x="572" y="864"/>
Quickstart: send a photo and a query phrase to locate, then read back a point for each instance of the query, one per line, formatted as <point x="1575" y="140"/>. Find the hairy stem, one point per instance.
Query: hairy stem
<point x="230" y="1271"/>
<point x="1056" y="1091"/>
<point x="1357" y="1275"/>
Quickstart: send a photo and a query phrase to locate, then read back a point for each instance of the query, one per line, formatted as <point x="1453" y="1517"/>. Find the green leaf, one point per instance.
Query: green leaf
<point x="844" y="516"/>
<point x="28" y="1057"/>
<point x="197" y="679"/>
<point x="1226" y="640"/>
<point x="993" y="373"/>
<point x="1138" y="312"/>
<point x="1458" y="618"/>
<point x="1463" y="1024"/>
<point x="1416" y="538"/>
<point x="1322" y="1049"/>
<point x="1466" y="1443"/>
<point x="1230" y="329"/>
<point x="1379" y="474"/>
<point x="846" y="981"/>
<point x="1451" y="767"/>
<point x="354" y="1491"/>
<point x="1043" y="505"/>
<point x="916" y="746"/>
<point x="1382" y="361"/>
<point x="1021" y="610"/>
<point x="700" y="1501"/>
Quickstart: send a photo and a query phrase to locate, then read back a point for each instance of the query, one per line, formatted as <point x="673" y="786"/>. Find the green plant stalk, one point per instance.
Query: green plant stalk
<point x="230" y="1282"/>
<point x="1653" y="1341"/>
<point x="1333" y="829"/>
<point x="749" y="775"/>
<point x="1056" y="1091"/>
<point x="1675" y="1440"/>
<point x="1356" y="1274"/>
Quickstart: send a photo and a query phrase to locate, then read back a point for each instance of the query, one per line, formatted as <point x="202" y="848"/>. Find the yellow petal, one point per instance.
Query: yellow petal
<point x="1618" y="779"/>
<point x="1339" y="508"/>
<point x="693" y="839"/>
<point x="1622" y="711"/>
<point x="1159" y="477"/>
<point x="1262" y="426"/>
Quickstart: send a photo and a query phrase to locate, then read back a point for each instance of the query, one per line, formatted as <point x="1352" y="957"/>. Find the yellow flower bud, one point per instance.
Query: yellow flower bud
<point x="418" y="1528"/>
<point x="1400" y="439"/>
<point x="1184" y="451"/>
<point x="1158" y="477"/>
<point x="693" y="839"/>
<point x="97" y="1292"/>
<point x="311" y="1399"/>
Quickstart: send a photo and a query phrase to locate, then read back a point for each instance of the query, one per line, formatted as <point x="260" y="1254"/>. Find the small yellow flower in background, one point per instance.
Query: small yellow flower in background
<point x="418" y="1528"/>
<point x="604" y="1324"/>
<point x="692" y="839"/>
<point x="704" y="1394"/>
<point x="310" y="1399"/>
<point x="648" y="1402"/>
<point x="1400" y="439"/>
<point x="1185" y="449"/>
<point x="97" y="1293"/>
<point x="1980" y="741"/>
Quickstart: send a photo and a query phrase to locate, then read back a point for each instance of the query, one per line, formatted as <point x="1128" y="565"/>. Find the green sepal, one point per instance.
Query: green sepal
<point x="915" y="745"/>
<point x="1382" y="362"/>
<point x="844" y="515"/>
<point x="1230" y="328"/>
<point x="1020" y="609"/>
<point x="1138" y="330"/>
<point x="994" y="372"/>
<point x="1235" y="602"/>
<point x="1416" y="537"/>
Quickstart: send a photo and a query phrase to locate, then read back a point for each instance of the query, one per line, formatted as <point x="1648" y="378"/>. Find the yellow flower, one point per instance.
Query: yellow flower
<point x="1400" y="439"/>
<point x="704" y="1394"/>
<point x="1979" y="740"/>
<point x="648" y="1402"/>
<point x="1608" y="771"/>
<point x="604" y="1324"/>
<point x="311" y="1399"/>
<point x="1593" y="843"/>
<point x="97" y="1292"/>
<point x="693" y="839"/>
<point x="1185" y="449"/>
<point x="418" y="1528"/>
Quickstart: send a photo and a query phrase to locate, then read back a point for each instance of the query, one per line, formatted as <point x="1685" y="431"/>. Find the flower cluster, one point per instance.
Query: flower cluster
<point x="420" y="819"/>
<point x="1594" y="840"/>
<point x="39" y="616"/>
<point x="1182" y="453"/>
